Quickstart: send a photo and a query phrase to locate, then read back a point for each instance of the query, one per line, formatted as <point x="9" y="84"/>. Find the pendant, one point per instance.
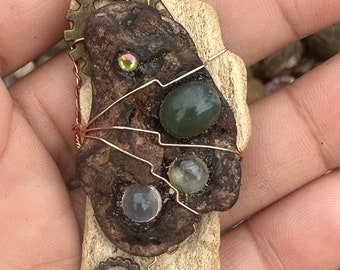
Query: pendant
<point x="160" y="140"/>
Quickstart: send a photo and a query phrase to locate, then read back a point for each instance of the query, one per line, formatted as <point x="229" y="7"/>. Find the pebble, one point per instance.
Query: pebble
<point x="325" y="43"/>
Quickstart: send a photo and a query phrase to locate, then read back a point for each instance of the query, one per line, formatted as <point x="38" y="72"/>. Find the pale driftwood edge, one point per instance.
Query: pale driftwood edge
<point x="228" y="70"/>
<point x="200" y="251"/>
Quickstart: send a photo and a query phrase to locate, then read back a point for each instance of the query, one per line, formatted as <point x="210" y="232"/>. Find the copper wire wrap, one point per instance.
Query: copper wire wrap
<point x="77" y="125"/>
<point x="82" y="131"/>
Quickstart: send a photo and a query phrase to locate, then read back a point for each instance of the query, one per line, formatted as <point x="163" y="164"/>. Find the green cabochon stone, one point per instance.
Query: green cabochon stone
<point x="190" y="109"/>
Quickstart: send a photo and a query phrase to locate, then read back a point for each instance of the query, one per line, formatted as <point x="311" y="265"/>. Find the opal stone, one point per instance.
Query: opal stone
<point x="190" y="109"/>
<point x="141" y="203"/>
<point x="189" y="174"/>
<point x="128" y="62"/>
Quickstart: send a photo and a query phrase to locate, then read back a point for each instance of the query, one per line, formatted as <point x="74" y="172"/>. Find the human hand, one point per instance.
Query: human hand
<point x="295" y="140"/>
<point x="293" y="206"/>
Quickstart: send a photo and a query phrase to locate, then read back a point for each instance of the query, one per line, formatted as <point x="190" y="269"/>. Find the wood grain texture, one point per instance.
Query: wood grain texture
<point x="199" y="251"/>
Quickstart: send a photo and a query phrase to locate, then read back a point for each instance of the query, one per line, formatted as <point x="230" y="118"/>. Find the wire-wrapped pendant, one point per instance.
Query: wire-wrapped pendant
<point x="162" y="143"/>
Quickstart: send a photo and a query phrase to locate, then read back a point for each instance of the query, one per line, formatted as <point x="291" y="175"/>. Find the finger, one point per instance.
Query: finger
<point x="295" y="134"/>
<point x="299" y="232"/>
<point x="34" y="203"/>
<point x="27" y="29"/>
<point x="78" y="199"/>
<point x="5" y="117"/>
<point x="38" y="25"/>
<point x="58" y="85"/>
<point x="46" y="99"/>
<point x="254" y="29"/>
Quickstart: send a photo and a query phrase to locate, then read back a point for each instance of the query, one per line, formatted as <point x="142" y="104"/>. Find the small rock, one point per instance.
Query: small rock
<point x="283" y="61"/>
<point x="325" y="43"/>
<point x="277" y="83"/>
<point x="305" y="65"/>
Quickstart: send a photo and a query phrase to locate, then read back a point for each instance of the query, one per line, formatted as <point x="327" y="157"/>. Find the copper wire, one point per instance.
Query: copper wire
<point x="155" y="81"/>
<point x="172" y="250"/>
<point x="151" y="169"/>
<point x="151" y="265"/>
<point x="82" y="131"/>
<point x="159" y="136"/>
<point x="148" y="162"/>
<point x="77" y="126"/>
<point x="194" y="228"/>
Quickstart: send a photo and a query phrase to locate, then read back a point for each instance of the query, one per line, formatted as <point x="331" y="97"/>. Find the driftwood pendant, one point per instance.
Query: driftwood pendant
<point x="131" y="142"/>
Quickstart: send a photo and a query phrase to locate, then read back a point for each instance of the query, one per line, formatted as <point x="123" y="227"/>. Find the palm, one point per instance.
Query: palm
<point x="283" y="166"/>
<point x="38" y="223"/>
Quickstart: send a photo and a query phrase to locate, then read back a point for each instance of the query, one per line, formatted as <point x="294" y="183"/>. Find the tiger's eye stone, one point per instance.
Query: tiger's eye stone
<point x="128" y="62"/>
<point x="141" y="203"/>
<point x="189" y="174"/>
<point x="190" y="109"/>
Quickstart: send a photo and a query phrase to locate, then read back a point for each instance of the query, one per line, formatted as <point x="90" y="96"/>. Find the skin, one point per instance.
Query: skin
<point x="290" y="205"/>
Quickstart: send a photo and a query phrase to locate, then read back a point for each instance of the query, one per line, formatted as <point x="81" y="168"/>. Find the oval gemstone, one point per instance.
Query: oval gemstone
<point x="189" y="174"/>
<point x="190" y="109"/>
<point x="128" y="62"/>
<point x="141" y="203"/>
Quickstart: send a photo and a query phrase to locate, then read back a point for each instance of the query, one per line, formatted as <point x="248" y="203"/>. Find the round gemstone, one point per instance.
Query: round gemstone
<point x="190" y="109"/>
<point x="128" y="62"/>
<point x="141" y="203"/>
<point x="189" y="174"/>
